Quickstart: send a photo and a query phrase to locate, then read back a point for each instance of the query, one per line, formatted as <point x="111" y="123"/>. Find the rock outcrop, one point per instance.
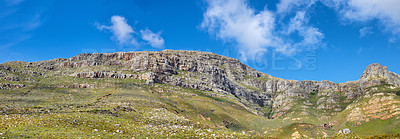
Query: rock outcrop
<point x="376" y="74"/>
<point x="379" y="106"/>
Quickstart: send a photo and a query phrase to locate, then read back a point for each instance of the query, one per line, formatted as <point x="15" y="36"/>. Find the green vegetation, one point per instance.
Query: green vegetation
<point x="378" y="127"/>
<point x="385" y="88"/>
<point x="121" y="108"/>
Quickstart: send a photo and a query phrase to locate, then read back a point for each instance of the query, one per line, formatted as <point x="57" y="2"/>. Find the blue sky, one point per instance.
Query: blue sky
<point x="292" y="39"/>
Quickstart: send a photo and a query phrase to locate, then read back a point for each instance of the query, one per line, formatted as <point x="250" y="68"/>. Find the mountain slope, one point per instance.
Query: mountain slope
<point x="196" y="91"/>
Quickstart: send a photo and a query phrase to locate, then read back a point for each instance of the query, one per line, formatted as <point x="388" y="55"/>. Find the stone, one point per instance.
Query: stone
<point x="346" y="131"/>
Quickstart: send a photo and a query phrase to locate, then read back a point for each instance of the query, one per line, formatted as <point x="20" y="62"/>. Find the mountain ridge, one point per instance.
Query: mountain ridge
<point x="373" y="74"/>
<point x="189" y="51"/>
<point x="263" y="95"/>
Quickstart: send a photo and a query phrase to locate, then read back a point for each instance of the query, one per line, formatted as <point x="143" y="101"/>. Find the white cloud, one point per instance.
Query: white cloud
<point x="311" y="35"/>
<point x="361" y="50"/>
<point x="365" y="31"/>
<point x="386" y="11"/>
<point x="124" y="34"/>
<point x="285" y="6"/>
<point x="233" y="20"/>
<point x="30" y="22"/>
<point x="393" y="40"/>
<point x="335" y="4"/>
<point x="369" y="9"/>
<point x="34" y="23"/>
<point x="122" y="31"/>
<point x="17" y="24"/>
<point x="12" y="40"/>
<point x="154" y="39"/>
<point x="255" y="32"/>
<point x="13" y="2"/>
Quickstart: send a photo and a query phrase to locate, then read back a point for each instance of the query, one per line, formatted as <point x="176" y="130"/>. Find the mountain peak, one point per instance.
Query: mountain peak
<point x="374" y="70"/>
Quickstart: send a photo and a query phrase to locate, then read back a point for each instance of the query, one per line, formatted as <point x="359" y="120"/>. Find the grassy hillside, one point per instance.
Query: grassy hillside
<point x="124" y="108"/>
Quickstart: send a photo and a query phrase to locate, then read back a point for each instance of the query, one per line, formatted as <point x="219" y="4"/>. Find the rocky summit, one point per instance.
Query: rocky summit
<point x="195" y="94"/>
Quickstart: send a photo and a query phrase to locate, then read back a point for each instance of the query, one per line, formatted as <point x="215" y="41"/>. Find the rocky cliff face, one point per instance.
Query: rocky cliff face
<point x="377" y="74"/>
<point x="260" y="92"/>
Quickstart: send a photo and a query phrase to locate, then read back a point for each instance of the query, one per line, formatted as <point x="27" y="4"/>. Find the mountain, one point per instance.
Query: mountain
<point x="188" y="94"/>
